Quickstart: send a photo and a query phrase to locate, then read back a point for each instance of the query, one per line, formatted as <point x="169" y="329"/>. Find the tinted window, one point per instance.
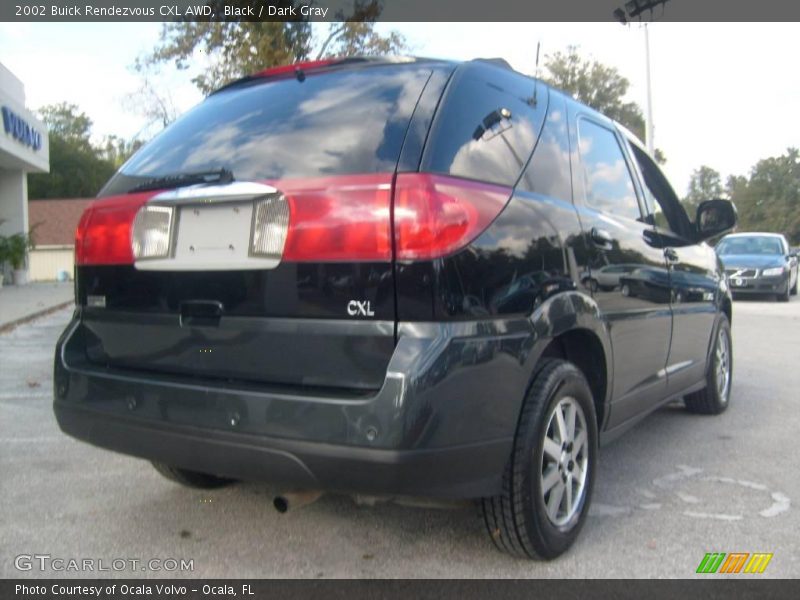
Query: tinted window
<point x="486" y="126"/>
<point x="607" y="180"/>
<point x="548" y="173"/>
<point x="663" y="206"/>
<point x="341" y="122"/>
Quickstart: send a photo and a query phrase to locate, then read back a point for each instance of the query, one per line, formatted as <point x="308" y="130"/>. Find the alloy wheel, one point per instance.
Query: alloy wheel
<point x="565" y="460"/>
<point x="722" y="365"/>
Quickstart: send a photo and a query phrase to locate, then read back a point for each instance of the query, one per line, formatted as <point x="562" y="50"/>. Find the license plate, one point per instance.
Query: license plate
<point x="213" y="235"/>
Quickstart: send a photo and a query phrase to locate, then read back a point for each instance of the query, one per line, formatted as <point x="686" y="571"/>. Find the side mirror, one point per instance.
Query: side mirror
<point x="715" y="217"/>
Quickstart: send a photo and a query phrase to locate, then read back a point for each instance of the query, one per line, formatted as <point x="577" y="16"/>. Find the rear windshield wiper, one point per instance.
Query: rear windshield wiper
<point x="184" y="179"/>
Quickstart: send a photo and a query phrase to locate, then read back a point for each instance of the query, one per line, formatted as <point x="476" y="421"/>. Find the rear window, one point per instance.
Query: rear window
<point x="335" y="123"/>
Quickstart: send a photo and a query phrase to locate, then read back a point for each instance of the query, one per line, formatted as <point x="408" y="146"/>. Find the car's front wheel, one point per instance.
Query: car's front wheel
<point x="714" y="398"/>
<point x="548" y="482"/>
<point x="784" y="295"/>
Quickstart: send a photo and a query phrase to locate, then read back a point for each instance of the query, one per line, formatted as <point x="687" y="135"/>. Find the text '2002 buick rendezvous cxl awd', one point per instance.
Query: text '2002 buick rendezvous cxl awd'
<point x="374" y="276"/>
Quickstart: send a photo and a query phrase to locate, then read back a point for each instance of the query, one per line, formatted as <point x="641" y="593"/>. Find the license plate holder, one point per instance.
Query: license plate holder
<point x="213" y="235"/>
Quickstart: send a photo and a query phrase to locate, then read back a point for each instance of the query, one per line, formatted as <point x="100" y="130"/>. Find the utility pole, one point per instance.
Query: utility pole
<point x="649" y="109"/>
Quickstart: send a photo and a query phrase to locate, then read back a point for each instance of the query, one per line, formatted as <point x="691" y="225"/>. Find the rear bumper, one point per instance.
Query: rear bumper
<point x="441" y="425"/>
<point x="456" y="472"/>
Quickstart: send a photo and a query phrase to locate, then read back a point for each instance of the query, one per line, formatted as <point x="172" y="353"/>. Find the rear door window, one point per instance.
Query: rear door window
<point x="332" y="123"/>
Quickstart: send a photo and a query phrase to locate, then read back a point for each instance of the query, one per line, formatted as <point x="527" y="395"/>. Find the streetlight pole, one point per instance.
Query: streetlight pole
<point x="649" y="108"/>
<point x="632" y="9"/>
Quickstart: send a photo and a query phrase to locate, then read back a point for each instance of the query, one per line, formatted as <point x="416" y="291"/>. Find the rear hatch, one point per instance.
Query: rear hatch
<point x="251" y="241"/>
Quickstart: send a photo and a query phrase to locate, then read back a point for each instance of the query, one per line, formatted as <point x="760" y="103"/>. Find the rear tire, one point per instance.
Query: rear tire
<point x="532" y="517"/>
<point x="192" y="479"/>
<point x="715" y="397"/>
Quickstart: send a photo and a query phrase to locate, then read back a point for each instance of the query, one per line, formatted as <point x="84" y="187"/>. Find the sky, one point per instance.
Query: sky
<point x="724" y="94"/>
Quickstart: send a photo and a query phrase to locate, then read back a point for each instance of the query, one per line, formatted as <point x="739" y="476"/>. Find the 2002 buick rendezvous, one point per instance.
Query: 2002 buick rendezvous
<point x="375" y="276"/>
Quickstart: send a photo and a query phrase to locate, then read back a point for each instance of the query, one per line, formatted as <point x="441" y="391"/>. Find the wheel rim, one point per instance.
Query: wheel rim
<point x="565" y="461"/>
<point x="722" y="365"/>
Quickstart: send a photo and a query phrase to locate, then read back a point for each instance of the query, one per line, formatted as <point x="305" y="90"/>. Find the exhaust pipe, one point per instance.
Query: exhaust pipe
<point x="287" y="501"/>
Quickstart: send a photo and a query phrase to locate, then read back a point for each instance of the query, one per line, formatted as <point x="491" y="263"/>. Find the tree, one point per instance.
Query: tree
<point x="117" y="150"/>
<point x="769" y="200"/>
<point x="704" y="184"/>
<point x="64" y="120"/>
<point x="151" y="102"/>
<point x="595" y="84"/>
<point x="77" y="168"/>
<point x="238" y="48"/>
<point x="599" y="86"/>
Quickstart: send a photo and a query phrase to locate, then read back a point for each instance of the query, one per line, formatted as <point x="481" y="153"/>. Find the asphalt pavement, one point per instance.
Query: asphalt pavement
<point x="672" y="489"/>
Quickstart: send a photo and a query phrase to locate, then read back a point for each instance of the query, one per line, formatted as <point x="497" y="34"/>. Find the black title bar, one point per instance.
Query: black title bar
<point x="399" y="10"/>
<point x="710" y="588"/>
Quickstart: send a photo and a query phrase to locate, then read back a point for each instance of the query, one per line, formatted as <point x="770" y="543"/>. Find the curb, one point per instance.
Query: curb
<point x="41" y="313"/>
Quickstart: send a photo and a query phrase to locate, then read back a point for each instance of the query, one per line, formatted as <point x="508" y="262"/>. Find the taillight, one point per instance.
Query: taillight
<point x="104" y="232"/>
<point x="338" y="218"/>
<point x="307" y="65"/>
<point x="330" y="219"/>
<point x="152" y="232"/>
<point x="435" y="215"/>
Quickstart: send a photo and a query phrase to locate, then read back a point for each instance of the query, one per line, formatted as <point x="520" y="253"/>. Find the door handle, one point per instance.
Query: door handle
<point x="671" y="255"/>
<point x="601" y="237"/>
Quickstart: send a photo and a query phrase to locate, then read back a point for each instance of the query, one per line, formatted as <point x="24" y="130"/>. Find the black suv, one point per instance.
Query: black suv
<point x="373" y="276"/>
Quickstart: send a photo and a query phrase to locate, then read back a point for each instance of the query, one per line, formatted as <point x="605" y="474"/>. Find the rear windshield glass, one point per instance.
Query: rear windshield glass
<point x="335" y="123"/>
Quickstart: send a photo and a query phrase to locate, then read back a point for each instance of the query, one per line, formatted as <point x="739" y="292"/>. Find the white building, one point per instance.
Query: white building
<point x="24" y="148"/>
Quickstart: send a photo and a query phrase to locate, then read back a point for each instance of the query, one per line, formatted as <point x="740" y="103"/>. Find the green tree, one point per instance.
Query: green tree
<point x="238" y="48"/>
<point x="64" y="120"/>
<point x="117" y="150"/>
<point x="595" y="84"/>
<point x="704" y="184"/>
<point x="769" y="200"/>
<point x="77" y="168"/>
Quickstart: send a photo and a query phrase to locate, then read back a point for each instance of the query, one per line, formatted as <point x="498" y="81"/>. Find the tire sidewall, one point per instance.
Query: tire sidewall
<point x="722" y="403"/>
<point x="565" y="381"/>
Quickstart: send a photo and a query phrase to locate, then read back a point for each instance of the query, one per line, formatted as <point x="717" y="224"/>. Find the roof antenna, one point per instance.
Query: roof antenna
<point x="536" y="72"/>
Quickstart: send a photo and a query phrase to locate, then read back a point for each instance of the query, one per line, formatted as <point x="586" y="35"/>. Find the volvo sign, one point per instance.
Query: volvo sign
<point x="20" y="130"/>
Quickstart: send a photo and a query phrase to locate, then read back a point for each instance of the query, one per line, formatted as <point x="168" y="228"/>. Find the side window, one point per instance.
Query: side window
<point x="548" y="173"/>
<point x="607" y="180"/>
<point x="664" y="209"/>
<point x="486" y="125"/>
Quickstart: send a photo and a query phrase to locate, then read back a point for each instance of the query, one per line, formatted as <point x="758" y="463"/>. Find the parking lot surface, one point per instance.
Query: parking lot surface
<point x="672" y="489"/>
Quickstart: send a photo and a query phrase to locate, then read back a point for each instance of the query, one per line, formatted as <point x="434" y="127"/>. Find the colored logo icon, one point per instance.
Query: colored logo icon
<point x="735" y="562"/>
